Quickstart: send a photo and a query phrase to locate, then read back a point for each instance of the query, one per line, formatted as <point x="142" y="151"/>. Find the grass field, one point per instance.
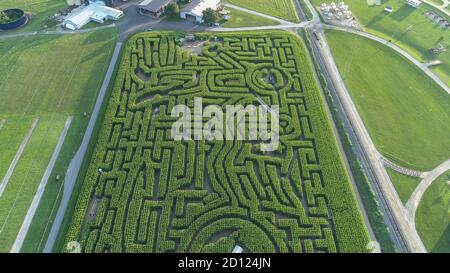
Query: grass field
<point x="40" y="10"/>
<point x="50" y="77"/>
<point x="22" y="185"/>
<point x="437" y="2"/>
<point x="283" y="9"/>
<point x="433" y="216"/>
<point x="197" y="196"/>
<point x="404" y="185"/>
<point x="406" y="113"/>
<point x="407" y="27"/>
<point x="244" y="19"/>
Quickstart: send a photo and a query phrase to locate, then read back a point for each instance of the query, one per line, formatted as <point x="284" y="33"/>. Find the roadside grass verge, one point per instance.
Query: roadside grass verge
<point x="40" y="11"/>
<point x="406" y="113"/>
<point x="407" y="27"/>
<point x="432" y="216"/>
<point x="404" y="185"/>
<point x="23" y="183"/>
<point x="368" y="197"/>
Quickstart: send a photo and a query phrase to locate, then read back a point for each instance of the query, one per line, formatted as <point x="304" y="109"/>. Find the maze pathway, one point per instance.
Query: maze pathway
<point x="145" y="192"/>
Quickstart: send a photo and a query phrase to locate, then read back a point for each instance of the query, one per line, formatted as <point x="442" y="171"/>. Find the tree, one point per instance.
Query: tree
<point x="210" y="16"/>
<point x="172" y="9"/>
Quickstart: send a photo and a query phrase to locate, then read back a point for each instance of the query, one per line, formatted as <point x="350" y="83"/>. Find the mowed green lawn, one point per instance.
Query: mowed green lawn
<point x="244" y="19"/>
<point x="50" y="77"/>
<point x="40" y="11"/>
<point x="407" y="27"/>
<point x="283" y="9"/>
<point x="404" y="184"/>
<point x="405" y="112"/>
<point x="433" y="216"/>
<point x="23" y="183"/>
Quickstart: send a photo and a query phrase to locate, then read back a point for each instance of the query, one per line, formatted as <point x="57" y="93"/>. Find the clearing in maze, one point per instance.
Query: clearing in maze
<point x="146" y="192"/>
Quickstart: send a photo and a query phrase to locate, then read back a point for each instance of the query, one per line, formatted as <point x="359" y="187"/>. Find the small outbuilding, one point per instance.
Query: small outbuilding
<point x="154" y="8"/>
<point x="95" y="11"/>
<point x="194" y="10"/>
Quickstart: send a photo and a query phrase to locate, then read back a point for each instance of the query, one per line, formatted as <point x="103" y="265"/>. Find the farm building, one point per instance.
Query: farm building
<point x="414" y="3"/>
<point x="95" y="11"/>
<point x="194" y="10"/>
<point x="153" y="7"/>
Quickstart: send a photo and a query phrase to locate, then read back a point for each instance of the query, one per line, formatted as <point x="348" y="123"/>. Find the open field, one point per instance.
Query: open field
<point x="40" y="10"/>
<point x="432" y="216"/>
<point x="49" y="77"/>
<point x="405" y="112"/>
<point x="404" y="185"/>
<point x="407" y="27"/>
<point x="283" y="9"/>
<point x="155" y="194"/>
<point x="244" y="19"/>
<point x="18" y="194"/>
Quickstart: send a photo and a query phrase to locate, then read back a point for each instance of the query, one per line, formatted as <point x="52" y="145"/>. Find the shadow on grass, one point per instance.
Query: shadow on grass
<point x="443" y="245"/>
<point x="403" y="13"/>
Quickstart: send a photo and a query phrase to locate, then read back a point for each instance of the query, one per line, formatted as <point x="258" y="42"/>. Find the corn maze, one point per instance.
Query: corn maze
<point x="145" y="192"/>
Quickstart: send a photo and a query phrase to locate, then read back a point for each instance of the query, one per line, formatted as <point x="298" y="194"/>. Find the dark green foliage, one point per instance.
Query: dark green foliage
<point x="172" y="9"/>
<point x="210" y="16"/>
<point x="160" y="195"/>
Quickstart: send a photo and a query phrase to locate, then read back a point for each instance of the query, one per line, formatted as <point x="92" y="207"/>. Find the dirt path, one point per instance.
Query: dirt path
<point x="13" y="165"/>
<point x="40" y="191"/>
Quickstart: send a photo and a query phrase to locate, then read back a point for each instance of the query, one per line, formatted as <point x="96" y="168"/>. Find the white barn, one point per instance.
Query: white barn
<point x="414" y="3"/>
<point x="96" y="11"/>
<point x="194" y="10"/>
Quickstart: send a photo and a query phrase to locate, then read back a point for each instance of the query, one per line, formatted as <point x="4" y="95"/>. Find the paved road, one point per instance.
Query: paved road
<point x="315" y="20"/>
<point x="2" y="123"/>
<point x="75" y="164"/>
<point x="442" y="8"/>
<point x="414" y="200"/>
<point x="16" y="158"/>
<point x="422" y="66"/>
<point x="40" y="191"/>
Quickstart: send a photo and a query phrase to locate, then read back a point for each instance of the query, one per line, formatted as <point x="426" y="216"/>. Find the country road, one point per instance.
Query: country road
<point x="40" y="191"/>
<point x="16" y="158"/>
<point x="75" y="164"/>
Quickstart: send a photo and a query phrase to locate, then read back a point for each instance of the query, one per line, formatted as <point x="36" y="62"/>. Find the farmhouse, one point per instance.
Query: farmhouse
<point x="95" y="11"/>
<point x="414" y="3"/>
<point x="153" y="7"/>
<point x="194" y="10"/>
